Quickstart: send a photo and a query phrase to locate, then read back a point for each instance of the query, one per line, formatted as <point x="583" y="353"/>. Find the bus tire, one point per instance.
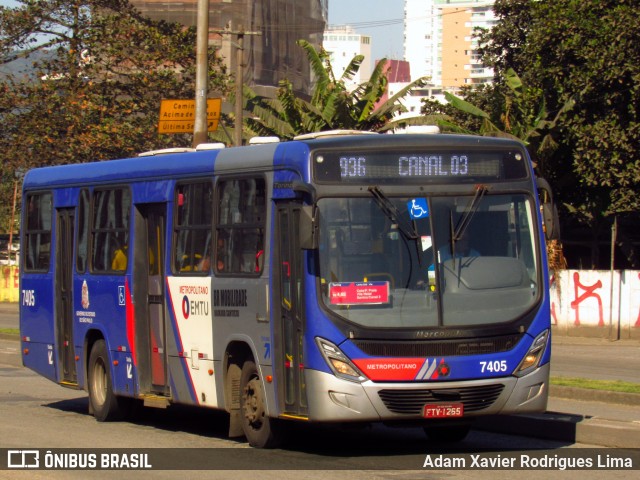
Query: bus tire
<point x="105" y="405"/>
<point x="450" y="434"/>
<point x="260" y="430"/>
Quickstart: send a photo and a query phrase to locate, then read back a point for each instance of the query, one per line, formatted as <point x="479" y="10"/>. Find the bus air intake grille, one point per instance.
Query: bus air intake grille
<point x="411" y="402"/>
<point x="438" y="348"/>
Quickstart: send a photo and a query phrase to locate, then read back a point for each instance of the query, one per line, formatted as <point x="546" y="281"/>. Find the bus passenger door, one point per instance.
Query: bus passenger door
<point x="65" y="219"/>
<point x="289" y="314"/>
<point x="150" y="312"/>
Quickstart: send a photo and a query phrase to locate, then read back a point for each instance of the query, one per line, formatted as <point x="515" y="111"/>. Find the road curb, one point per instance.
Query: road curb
<point x="565" y="428"/>
<point x="589" y="394"/>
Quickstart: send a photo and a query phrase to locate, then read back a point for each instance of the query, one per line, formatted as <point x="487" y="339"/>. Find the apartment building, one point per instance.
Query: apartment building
<point x="439" y="42"/>
<point x="343" y="43"/>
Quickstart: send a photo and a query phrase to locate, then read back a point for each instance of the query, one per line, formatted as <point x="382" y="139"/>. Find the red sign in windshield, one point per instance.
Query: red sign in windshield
<point x="359" y="293"/>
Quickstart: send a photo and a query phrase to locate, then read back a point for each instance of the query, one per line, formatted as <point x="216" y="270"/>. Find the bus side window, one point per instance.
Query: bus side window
<point x="240" y="227"/>
<point x="110" y="230"/>
<point x="192" y="231"/>
<point x="83" y="232"/>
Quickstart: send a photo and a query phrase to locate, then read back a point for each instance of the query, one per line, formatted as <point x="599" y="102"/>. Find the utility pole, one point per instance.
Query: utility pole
<point x="239" y="93"/>
<point x="13" y="218"/>
<point x="202" y="70"/>
<point x="239" y="33"/>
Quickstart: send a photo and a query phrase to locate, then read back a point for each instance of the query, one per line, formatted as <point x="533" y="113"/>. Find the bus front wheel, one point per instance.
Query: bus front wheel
<point x="260" y="430"/>
<point x="106" y="406"/>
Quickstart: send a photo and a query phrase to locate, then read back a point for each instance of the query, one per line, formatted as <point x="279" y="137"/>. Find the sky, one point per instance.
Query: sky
<point x="382" y="20"/>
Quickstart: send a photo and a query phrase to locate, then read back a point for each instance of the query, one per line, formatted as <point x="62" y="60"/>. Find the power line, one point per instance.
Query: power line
<point x="356" y="25"/>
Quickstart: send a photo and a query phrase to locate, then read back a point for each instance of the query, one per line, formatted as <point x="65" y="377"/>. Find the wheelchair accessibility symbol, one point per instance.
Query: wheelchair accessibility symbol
<point x="418" y="208"/>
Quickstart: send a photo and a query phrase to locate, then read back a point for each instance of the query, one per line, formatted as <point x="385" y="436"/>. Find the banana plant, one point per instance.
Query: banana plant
<point x="524" y="115"/>
<point x="331" y="104"/>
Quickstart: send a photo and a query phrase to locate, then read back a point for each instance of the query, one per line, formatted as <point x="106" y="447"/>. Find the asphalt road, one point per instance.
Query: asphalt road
<point x="595" y="359"/>
<point x="38" y="414"/>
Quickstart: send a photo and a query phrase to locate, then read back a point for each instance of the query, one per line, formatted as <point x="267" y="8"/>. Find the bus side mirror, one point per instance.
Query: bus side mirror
<point x="308" y="236"/>
<point x="551" y="222"/>
<point x="550" y="219"/>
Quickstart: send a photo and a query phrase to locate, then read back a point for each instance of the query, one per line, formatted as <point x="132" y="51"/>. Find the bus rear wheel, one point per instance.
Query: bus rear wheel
<point x="260" y="430"/>
<point x="105" y="405"/>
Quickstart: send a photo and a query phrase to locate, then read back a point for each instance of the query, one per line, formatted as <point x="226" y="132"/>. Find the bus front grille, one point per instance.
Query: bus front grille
<point x="438" y="348"/>
<point x="412" y="401"/>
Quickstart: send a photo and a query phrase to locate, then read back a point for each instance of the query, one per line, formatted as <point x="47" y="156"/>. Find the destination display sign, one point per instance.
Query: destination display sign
<point x="368" y="167"/>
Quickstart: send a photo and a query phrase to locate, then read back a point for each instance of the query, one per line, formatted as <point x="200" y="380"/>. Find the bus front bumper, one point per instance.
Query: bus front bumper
<point x="332" y="399"/>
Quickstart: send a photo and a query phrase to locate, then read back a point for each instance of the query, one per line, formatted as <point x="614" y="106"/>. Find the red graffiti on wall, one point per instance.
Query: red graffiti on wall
<point x="10" y="277"/>
<point x="589" y="292"/>
<point x="554" y="317"/>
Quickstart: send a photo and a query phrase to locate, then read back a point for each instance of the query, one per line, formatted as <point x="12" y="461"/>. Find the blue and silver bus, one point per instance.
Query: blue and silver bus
<point x="335" y="278"/>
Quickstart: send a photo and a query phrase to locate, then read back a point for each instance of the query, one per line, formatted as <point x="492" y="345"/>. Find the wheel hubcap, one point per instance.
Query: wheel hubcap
<point x="253" y="403"/>
<point x="99" y="383"/>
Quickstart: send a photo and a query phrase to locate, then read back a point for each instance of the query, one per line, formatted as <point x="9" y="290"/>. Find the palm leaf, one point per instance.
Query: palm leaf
<point x="352" y="69"/>
<point x="513" y="82"/>
<point x="392" y="104"/>
<point x="465" y="106"/>
<point x="322" y="76"/>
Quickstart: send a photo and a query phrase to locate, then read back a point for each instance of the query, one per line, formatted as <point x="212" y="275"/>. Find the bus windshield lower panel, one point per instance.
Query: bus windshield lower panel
<point x="428" y="262"/>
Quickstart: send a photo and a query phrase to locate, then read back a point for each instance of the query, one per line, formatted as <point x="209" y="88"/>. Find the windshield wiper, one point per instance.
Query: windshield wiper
<point x="407" y="228"/>
<point x="465" y="220"/>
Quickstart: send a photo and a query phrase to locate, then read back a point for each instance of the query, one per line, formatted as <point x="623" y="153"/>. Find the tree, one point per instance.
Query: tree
<point x="96" y="94"/>
<point x="99" y="72"/>
<point x="512" y="110"/>
<point x="331" y="106"/>
<point x="585" y="52"/>
<point x="501" y="47"/>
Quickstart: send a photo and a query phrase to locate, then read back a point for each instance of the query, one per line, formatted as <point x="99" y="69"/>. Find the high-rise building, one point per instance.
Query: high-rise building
<point x="439" y="42"/>
<point x="342" y="44"/>
<point x="269" y="57"/>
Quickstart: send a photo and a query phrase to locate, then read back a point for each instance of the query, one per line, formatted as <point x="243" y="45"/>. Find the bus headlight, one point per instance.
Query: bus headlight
<point x="338" y="362"/>
<point x="533" y="356"/>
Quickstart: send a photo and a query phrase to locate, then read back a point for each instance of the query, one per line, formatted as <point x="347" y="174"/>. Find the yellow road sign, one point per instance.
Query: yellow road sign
<point x="179" y="115"/>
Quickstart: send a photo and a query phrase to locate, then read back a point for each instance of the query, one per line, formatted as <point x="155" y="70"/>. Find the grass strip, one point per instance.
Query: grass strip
<point x="10" y="331"/>
<point x="607" y="385"/>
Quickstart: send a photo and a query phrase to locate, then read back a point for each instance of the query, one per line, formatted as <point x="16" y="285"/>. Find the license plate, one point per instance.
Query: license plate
<point x="438" y="410"/>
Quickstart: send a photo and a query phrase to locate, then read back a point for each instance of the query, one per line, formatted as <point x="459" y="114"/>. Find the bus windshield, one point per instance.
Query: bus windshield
<point x="442" y="261"/>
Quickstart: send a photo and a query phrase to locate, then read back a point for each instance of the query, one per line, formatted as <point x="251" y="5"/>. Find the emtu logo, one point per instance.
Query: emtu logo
<point x="185" y="307"/>
<point x="23" y="459"/>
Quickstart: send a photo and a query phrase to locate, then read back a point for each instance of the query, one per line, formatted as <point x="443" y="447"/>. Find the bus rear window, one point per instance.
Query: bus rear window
<point x="37" y="250"/>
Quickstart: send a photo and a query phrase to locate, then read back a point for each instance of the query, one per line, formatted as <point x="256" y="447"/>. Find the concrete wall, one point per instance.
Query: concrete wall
<point x="9" y="284"/>
<point x="596" y="303"/>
